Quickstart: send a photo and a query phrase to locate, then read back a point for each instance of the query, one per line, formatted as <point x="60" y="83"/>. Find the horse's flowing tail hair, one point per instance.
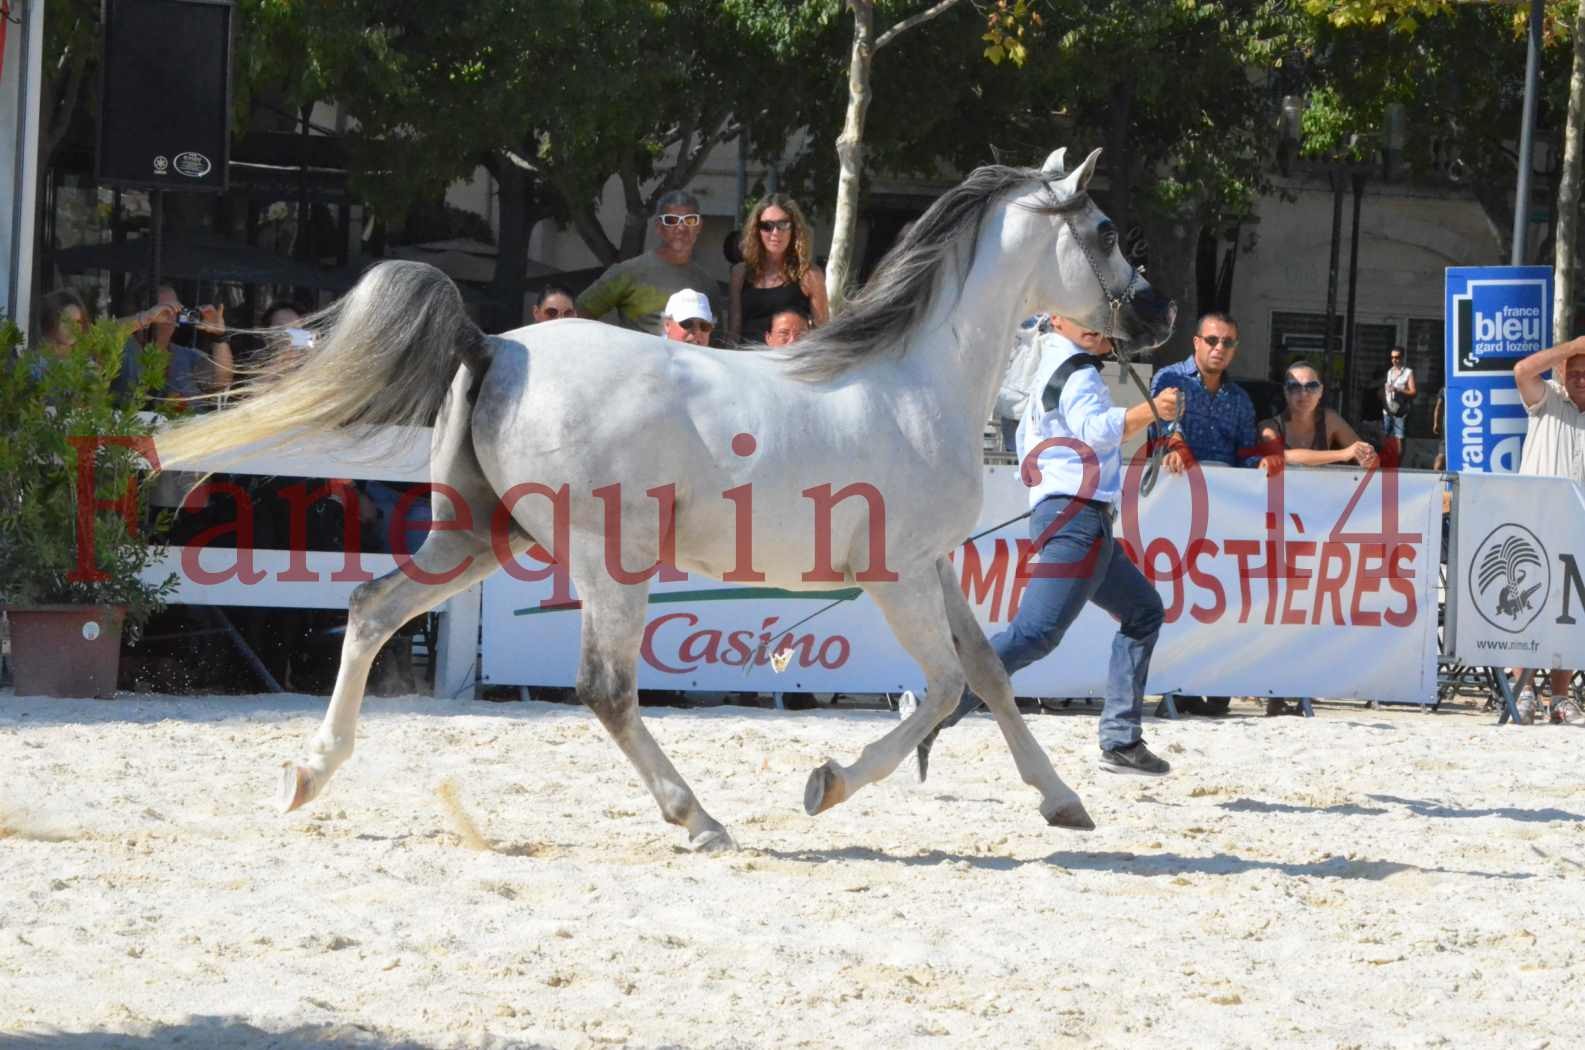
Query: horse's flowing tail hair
<point x="385" y="355"/>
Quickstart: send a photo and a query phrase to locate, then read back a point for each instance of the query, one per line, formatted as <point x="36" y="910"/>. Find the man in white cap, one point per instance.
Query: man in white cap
<point x="688" y="318"/>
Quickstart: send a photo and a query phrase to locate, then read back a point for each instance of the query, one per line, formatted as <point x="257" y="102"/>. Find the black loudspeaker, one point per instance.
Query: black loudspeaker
<point x="165" y="94"/>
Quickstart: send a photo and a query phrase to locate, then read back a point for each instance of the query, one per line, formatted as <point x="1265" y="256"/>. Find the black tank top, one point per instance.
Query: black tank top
<point x="761" y="304"/>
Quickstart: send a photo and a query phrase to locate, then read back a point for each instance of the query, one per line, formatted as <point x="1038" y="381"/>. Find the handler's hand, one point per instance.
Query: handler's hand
<point x="1167" y="404"/>
<point x="1364" y="453"/>
<point x="1175" y="462"/>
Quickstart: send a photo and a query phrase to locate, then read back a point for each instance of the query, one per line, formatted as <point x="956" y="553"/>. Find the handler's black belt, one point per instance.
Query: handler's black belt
<point x="1051" y="396"/>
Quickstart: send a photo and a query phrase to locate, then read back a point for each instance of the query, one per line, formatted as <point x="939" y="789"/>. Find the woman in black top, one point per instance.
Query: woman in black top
<point x="1307" y="433"/>
<point x="777" y="272"/>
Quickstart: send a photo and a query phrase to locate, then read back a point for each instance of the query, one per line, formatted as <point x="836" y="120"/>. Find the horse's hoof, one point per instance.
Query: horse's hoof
<point x="824" y="789"/>
<point x="713" y="840"/>
<point x="296" y="787"/>
<point x="1071" y="815"/>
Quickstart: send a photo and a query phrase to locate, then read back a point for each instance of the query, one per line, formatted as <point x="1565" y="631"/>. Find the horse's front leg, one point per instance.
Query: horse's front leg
<point x="914" y="609"/>
<point x="1059" y="804"/>
<point x="376" y="611"/>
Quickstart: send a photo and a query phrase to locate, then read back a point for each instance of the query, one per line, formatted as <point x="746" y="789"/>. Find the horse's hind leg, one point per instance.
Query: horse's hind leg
<point x="914" y="608"/>
<point x="988" y="678"/>
<point x="375" y="612"/>
<point x="613" y="627"/>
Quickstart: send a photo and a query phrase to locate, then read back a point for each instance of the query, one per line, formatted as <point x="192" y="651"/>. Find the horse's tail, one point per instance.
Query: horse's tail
<point x="385" y="355"/>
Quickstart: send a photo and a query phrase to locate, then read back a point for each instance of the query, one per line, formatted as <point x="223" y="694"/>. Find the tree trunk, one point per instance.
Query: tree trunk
<point x="511" y="259"/>
<point x="1118" y="157"/>
<point x="850" y="155"/>
<point x="850" y="144"/>
<point x="1568" y="190"/>
<point x="1174" y="248"/>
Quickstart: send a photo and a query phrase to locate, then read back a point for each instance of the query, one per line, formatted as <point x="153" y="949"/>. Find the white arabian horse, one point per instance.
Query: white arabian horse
<point x="853" y="456"/>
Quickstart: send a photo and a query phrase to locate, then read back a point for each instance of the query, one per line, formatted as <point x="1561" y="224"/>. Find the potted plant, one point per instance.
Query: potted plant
<point x="72" y="553"/>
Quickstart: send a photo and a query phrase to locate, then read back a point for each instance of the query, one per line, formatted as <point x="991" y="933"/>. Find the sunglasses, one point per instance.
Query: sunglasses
<point x="553" y="312"/>
<point x="776" y="225"/>
<point x="1213" y="341"/>
<point x="690" y="220"/>
<point x="1293" y="386"/>
<point x="696" y="327"/>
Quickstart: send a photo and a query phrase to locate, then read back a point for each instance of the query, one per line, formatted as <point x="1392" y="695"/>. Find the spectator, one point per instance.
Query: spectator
<point x="1307" y="433"/>
<point x="62" y="318"/>
<point x="786" y="328"/>
<point x="1554" y="446"/>
<point x="635" y="290"/>
<point x="777" y="273"/>
<point x="1397" y="397"/>
<point x="189" y="372"/>
<point x="554" y="302"/>
<point x="1217" y="424"/>
<point x="688" y="318"/>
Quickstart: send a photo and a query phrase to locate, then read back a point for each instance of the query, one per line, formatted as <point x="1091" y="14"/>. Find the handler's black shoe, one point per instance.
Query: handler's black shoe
<point x="1135" y="759"/>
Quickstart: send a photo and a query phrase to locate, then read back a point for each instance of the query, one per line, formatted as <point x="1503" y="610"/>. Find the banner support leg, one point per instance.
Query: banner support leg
<point x="1510" y="710"/>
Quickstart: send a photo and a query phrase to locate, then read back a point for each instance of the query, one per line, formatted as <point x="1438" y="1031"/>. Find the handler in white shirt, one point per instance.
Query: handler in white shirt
<point x="1070" y="443"/>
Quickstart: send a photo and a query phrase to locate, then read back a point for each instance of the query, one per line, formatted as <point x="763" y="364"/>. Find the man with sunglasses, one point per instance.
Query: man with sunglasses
<point x="1398" y="394"/>
<point x="1218" y="421"/>
<point x="1217" y="425"/>
<point x="634" y="291"/>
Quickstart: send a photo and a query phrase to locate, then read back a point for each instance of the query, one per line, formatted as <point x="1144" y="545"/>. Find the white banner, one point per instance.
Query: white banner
<point x="1516" y="591"/>
<point x="1296" y="586"/>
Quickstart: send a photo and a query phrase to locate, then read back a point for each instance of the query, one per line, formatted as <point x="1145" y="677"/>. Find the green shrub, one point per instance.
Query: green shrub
<point x="46" y="400"/>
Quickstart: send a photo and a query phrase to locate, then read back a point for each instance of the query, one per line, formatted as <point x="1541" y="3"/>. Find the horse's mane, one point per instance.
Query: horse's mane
<point x="903" y="289"/>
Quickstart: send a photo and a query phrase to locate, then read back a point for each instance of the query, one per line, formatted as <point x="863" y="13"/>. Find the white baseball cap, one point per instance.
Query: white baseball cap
<point x="689" y="305"/>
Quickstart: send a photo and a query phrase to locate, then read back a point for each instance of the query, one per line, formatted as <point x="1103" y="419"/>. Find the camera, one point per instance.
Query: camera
<point x="189" y="315"/>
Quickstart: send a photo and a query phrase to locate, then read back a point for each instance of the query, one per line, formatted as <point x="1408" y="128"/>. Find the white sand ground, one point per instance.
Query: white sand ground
<point x="1366" y="879"/>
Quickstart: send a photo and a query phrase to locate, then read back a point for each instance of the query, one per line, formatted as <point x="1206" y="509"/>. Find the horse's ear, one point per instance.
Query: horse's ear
<point x="1055" y="164"/>
<point x="1075" y="184"/>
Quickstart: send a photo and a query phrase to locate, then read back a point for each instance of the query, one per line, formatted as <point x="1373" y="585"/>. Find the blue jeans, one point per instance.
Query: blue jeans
<point x="1092" y="570"/>
<point x="1393" y="426"/>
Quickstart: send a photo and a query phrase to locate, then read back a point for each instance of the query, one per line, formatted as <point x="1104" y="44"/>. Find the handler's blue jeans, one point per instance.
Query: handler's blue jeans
<point x="1087" y="567"/>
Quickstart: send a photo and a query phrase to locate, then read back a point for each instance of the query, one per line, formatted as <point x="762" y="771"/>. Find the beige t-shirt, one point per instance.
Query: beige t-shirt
<point x="1555" y="442"/>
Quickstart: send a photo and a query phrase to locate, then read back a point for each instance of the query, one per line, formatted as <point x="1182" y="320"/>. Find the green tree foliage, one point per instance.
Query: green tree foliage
<point x="1457" y="69"/>
<point x="47" y="400"/>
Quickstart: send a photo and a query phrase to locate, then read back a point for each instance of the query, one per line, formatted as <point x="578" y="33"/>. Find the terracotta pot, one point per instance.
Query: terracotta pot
<point x="66" y="650"/>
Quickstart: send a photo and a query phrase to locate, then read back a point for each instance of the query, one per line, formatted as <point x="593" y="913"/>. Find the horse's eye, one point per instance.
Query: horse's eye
<point x="1108" y="238"/>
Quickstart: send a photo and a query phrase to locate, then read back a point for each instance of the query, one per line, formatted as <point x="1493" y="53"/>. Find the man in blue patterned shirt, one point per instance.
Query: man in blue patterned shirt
<point x="1218" y="420"/>
<point x="1216" y="425"/>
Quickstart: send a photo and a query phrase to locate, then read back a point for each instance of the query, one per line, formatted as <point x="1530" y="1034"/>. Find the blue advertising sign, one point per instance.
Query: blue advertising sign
<point x="1495" y="315"/>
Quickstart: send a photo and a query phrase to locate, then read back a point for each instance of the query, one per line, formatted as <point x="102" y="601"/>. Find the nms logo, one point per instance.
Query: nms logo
<point x="1500" y="321"/>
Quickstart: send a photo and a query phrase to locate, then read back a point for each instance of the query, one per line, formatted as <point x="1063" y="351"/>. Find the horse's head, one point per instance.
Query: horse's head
<point x="1091" y="282"/>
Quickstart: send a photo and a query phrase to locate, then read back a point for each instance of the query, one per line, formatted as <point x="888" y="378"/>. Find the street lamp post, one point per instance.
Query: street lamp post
<point x="1521" y="201"/>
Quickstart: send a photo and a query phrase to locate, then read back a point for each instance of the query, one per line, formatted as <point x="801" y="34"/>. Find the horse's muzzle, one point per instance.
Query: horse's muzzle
<point x="1149" y="319"/>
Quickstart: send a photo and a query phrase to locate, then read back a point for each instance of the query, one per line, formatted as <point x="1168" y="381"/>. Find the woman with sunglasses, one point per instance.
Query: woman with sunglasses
<point x="777" y="273"/>
<point x="1307" y="433"/>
